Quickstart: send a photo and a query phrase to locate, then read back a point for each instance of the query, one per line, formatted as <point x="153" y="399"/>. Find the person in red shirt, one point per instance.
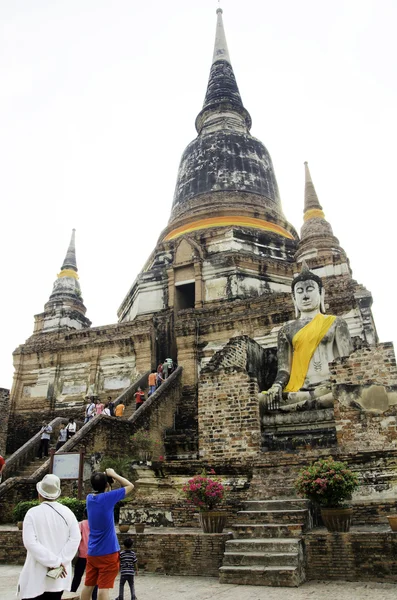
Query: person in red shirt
<point x="139" y="398"/>
<point x="2" y="467"/>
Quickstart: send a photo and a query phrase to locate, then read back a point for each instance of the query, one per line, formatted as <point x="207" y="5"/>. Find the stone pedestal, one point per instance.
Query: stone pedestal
<point x="304" y="429"/>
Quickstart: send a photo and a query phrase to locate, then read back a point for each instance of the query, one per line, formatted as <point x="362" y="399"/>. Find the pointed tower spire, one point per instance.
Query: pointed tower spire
<point x="70" y="258"/>
<point x="313" y="210"/>
<point x="317" y="237"/>
<point x="65" y="308"/>
<point x="311" y="199"/>
<point x="223" y="96"/>
<point x="220" y="49"/>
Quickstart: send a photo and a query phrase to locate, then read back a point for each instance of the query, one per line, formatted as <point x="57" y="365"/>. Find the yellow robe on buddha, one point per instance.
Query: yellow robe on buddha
<point x="304" y="344"/>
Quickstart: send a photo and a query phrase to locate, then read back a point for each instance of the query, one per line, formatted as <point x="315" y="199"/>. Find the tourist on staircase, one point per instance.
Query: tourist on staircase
<point x="45" y="431"/>
<point x="62" y="437"/>
<point x="139" y="398"/>
<point x="2" y="467"/>
<point x="89" y="410"/>
<point x="71" y="428"/>
<point x="159" y="378"/>
<point x="111" y="406"/>
<point x="119" y="410"/>
<point x="99" y="407"/>
<point x="152" y="382"/>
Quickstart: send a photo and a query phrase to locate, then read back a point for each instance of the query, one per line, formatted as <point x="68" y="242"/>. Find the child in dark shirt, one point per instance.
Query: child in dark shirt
<point x="128" y="568"/>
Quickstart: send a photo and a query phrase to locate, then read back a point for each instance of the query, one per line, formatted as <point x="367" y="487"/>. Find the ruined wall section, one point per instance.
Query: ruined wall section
<point x="365" y="389"/>
<point x="4" y="412"/>
<point x="228" y="409"/>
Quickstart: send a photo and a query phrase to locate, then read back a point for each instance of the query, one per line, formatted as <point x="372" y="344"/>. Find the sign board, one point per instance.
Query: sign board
<point x="66" y="466"/>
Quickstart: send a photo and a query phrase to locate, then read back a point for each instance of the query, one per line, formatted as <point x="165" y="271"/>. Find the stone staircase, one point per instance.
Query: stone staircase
<point x="267" y="549"/>
<point x="32" y="466"/>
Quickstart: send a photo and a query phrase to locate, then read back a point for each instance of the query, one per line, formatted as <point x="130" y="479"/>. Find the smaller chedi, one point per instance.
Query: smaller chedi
<point x="305" y="348"/>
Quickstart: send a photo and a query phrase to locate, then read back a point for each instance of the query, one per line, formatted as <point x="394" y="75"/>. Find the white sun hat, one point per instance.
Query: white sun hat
<point x="49" y="487"/>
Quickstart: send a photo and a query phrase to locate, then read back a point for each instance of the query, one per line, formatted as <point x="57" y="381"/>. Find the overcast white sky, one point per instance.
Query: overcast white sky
<point x="98" y="100"/>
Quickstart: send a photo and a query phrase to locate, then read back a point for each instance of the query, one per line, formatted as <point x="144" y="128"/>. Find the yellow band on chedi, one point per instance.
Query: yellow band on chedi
<point x="227" y="221"/>
<point x="313" y="213"/>
<point x="68" y="273"/>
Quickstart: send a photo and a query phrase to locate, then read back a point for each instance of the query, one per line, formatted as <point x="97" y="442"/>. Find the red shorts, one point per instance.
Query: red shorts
<point x="102" y="570"/>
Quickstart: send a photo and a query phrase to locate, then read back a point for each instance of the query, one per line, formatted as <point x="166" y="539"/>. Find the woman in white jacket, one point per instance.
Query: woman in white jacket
<point x="51" y="536"/>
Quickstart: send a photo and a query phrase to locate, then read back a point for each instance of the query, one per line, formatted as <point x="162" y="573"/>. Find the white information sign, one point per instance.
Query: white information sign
<point x="66" y="466"/>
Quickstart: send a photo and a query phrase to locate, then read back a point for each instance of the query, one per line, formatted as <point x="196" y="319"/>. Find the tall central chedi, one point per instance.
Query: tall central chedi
<point x="226" y="215"/>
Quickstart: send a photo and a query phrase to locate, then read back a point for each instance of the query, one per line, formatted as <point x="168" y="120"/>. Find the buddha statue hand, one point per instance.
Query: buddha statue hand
<point x="273" y="397"/>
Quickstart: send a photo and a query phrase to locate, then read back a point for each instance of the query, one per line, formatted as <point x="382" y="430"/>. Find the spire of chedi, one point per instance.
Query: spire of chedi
<point x="222" y="90"/>
<point x="226" y="176"/>
<point x="317" y="238"/>
<point x="65" y="307"/>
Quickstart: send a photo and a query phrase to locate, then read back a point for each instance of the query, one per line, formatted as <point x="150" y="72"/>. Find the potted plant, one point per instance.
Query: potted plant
<point x="206" y="494"/>
<point x="144" y="446"/>
<point x="329" y="484"/>
<point x="139" y="526"/>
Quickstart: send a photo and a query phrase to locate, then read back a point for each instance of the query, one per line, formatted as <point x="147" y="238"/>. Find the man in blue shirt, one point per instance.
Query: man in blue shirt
<point x="103" y="547"/>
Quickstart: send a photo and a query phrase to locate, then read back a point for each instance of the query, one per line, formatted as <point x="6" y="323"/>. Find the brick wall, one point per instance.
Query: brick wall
<point x="4" y="412"/>
<point x="353" y="556"/>
<point x="358" y="430"/>
<point x="367" y="366"/>
<point x="166" y="552"/>
<point x="365" y="389"/>
<point x="228" y="409"/>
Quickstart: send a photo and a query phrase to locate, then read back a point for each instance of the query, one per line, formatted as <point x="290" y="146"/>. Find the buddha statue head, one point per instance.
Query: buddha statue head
<point x="307" y="292"/>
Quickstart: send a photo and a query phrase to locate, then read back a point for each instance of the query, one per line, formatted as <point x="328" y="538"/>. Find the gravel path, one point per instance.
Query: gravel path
<point x="159" y="587"/>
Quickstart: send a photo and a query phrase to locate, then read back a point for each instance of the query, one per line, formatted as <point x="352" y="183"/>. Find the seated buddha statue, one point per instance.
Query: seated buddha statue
<point x="305" y="348"/>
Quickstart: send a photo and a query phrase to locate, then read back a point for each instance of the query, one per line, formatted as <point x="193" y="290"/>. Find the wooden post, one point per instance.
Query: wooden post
<point x="52" y="452"/>
<point x="80" y="480"/>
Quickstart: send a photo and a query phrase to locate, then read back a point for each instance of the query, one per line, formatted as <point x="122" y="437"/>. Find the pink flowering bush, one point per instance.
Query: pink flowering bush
<point x="327" y="482"/>
<point x="203" y="492"/>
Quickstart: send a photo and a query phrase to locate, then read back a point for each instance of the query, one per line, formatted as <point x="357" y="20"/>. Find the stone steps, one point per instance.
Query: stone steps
<point x="276" y="545"/>
<point x="32" y="467"/>
<point x="261" y="558"/>
<point x="285" y="503"/>
<point x="269" y="530"/>
<point x="267" y="547"/>
<point x="280" y="517"/>
<point x="260" y="575"/>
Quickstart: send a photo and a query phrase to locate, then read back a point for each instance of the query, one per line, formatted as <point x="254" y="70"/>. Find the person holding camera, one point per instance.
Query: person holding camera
<point x="103" y="547"/>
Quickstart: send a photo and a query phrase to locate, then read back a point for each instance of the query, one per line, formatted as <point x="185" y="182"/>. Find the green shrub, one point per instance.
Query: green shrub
<point x="22" y="508"/>
<point x="121" y="464"/>
<point x="76" y="506"/>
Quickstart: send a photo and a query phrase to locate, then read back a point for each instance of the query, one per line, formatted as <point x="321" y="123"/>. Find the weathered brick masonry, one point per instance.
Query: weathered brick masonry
<point x="165" y="552"/>
<point x="228" y="413"/>
<point x="367" y="366"/>
<point x="354" y="556"/>
<point x="367" y="380"/>
<point x="4" y="412"/>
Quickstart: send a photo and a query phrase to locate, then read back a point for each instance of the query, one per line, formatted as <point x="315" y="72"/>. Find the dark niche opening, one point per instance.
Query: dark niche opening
<point x="184" y="296"/>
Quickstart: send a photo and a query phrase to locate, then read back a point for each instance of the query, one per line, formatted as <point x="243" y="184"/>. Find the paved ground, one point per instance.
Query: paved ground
<point x="159" y="587"/>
